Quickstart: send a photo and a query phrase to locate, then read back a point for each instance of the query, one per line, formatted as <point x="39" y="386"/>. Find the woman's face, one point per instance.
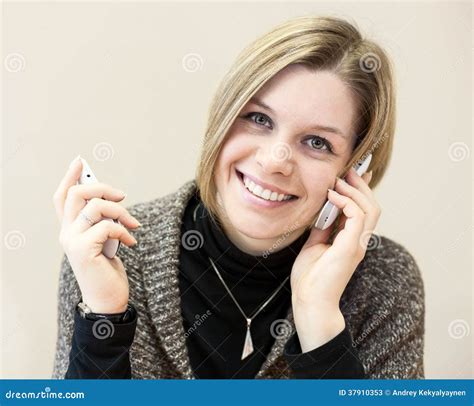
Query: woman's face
<point x="283" y="148"/>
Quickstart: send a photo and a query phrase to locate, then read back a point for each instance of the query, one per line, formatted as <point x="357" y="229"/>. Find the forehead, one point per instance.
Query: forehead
<point x="305" y="97"/>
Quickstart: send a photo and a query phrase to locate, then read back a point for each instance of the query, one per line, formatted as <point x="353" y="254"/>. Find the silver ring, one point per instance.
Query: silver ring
<point x="85" y="217"/>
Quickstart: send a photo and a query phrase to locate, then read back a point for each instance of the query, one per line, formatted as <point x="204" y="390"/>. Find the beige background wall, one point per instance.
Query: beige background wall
<point x="115" y="82"/>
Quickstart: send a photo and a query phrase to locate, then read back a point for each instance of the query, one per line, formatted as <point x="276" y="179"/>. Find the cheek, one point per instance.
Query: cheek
<point x="235" y="149"/>
<point x="316" y="186"/>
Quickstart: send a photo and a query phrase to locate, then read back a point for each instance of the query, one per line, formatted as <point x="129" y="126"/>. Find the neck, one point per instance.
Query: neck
<point x="259" y="246"/>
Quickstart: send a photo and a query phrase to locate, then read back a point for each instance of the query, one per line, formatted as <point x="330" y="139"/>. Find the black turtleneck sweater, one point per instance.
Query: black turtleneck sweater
<point x="214" y="326"/>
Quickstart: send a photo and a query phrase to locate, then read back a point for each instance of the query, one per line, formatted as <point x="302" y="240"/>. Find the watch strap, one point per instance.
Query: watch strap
<point x="86" y="313"/>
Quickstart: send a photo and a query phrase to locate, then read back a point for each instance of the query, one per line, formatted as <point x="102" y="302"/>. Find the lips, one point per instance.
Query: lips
<point x="240" y="175"/>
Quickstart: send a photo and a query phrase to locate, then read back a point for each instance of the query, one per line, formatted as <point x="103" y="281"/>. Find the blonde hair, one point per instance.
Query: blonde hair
<point x="320" y="43"/>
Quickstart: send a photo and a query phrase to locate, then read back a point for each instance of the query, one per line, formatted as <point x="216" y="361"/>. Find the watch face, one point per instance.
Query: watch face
<point x="83" y="307"/>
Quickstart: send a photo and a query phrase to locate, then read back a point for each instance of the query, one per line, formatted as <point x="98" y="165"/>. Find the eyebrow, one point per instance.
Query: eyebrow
<point x="329" y="129"/>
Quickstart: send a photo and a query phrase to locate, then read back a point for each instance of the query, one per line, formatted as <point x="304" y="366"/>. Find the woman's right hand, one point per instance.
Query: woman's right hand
<point x="103" y="282"/>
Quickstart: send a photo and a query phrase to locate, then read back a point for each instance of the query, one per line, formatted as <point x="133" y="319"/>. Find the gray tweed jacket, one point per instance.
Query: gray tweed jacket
<point x="383" y="303"/>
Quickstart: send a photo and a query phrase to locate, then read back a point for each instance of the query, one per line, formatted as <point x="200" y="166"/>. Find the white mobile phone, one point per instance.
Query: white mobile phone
<point x="112" y="245"/>
<point x="330" y="212"/>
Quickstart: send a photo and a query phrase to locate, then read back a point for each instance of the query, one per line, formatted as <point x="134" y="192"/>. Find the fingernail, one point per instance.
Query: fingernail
<point x="76" y="159"/>
<point x="136" y="221"/>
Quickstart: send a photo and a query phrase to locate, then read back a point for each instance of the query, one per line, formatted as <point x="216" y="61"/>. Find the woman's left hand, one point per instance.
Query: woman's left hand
<point x="322" y="271"/>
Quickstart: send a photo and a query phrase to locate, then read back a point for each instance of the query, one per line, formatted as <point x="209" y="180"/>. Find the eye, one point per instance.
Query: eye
<point x="261" y="118"/>
<point x="318" y="142"/>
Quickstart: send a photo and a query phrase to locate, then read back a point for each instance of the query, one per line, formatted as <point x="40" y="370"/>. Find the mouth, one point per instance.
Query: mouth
<point x="257" y="194"/>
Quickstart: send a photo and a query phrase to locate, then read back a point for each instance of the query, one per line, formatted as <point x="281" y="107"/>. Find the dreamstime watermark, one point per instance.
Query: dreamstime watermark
<point x="46" y="393"/>
<point x="373" y="325"/>
<point x="379" y="141"/>
<point x="103" y="151"/>
<point x="9" y="156"/>
<point x="458" y="151"/>
<point x="370" y="62"/>
<point x="14" y="240"/>
<point x="199" y="320"/>
<point x="103" y="329"/>
<point x="370" y="241"/>
<point x="14" y="62"/>
<point x="192" y="240"/>
<point x="458" y="329"/>
<point x="280" y="239"/>
<point x="281" y="328"/>
<point x="453" y="245"/>
<point x="192" y="62"/>
<point x="281" y="151"/>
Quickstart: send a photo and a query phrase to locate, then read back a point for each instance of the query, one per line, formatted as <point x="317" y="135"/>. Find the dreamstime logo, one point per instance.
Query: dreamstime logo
<point x="374" y="323"/>
<point x="103" y="151"/>
<point x="461" y="237"/>
<point x="14" y="240"/>
<point x="281" y="151"/>
<point x="192" y="239"/>
<point x="11" y="155"/>
<point x="458" y="151"/>
<point x="14" y="62"/>
<point x="370" y="62"/>
<point x="199" y="320"/>
<point x="458" y="329"/>
<point x="102" y="329"/>
<point x="379" y="141"/>
<point x="370" y="241"/>
<point x="192" y="62"/>
<point x="46" y="393"/>
<point x="280" y="328"/>
<point x="280" y="240"/>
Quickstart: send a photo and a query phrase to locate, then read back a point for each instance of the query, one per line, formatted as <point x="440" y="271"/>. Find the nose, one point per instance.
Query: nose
<point x="274" y="157"/>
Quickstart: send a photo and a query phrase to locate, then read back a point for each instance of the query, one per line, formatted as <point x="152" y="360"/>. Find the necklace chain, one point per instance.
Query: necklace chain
<point x="248" y="344"/>
<point x="235" y="301"/>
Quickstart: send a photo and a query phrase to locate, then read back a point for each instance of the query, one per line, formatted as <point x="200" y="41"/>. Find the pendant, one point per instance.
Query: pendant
<point x="248" y="345"/>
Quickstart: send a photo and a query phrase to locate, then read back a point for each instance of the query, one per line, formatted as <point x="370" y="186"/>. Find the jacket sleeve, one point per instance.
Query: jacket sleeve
<point x="336" y="359"/>
<point x="391" y="339"/>
<point x="69" y="295"/>
<point x="101" y="349"/>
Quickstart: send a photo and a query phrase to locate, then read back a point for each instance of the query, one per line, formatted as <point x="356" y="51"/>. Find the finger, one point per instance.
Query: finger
<point x="363" y="196"/>
<point x="341" y="224"/>
<point x="354" y="223"/>
<point x="78" y="195"/>
<point x="99" y="233"/>
<point x="99" y="209"/>
<point x="360" y="197"/>
<point x="358" y="181"/>
<point x="367" y="177"/>
<point x="70" y="178"/>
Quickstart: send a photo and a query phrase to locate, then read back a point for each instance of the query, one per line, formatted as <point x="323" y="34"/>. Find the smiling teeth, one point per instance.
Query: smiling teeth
<point x="266" y="194"/>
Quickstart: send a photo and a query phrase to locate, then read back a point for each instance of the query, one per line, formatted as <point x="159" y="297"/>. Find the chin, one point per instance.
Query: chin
<point x="255" y="225"/>
<point x="256" y="230"/>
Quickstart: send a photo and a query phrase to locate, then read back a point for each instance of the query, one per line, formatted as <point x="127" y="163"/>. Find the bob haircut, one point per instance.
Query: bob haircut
<point x="319" y="43"/>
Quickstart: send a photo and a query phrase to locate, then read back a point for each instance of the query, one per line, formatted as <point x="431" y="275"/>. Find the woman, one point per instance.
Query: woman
<point x="229" y="278"/>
